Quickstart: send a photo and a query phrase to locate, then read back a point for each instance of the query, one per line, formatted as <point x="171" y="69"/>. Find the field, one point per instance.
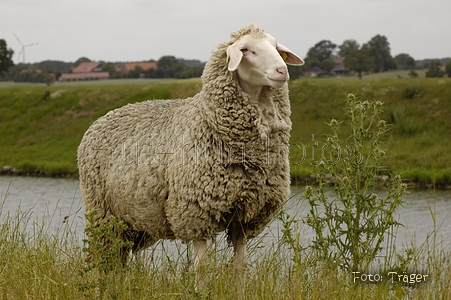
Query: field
<point x="41" y="127"/>
<point x="397" y="74"/>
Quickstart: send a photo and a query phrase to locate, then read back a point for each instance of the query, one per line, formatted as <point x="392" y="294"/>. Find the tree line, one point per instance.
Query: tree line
<point x="371" y="57"/>
<point x="167" y="67"/>
<point x="49" y="71"/>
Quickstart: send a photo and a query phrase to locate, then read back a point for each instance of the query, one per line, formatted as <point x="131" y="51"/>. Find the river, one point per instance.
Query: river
<point x="55" y="205"/>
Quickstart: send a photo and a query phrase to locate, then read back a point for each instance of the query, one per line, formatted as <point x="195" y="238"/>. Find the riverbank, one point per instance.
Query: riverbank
<point x="41" y="127"/>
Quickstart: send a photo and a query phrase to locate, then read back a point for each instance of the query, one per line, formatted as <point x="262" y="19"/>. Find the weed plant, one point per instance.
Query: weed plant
<point x="351" y="226"/>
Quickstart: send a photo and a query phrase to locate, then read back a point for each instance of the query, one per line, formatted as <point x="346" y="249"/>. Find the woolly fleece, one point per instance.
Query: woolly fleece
<point x="191" y="168"/>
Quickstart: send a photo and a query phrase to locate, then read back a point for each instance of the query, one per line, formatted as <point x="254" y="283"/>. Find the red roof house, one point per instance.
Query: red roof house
<point x="144" y="65"/>
<point x="87" y="67"/>
<point x="86" y="71"/>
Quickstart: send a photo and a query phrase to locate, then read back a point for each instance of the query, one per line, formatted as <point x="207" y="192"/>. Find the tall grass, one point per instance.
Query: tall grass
<point x="35" y="264"/>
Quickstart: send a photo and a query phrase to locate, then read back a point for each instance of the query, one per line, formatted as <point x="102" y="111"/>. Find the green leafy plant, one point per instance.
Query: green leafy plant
<point x="105" y="243"/>
<point x="401" y="123"/>
<point x="351" y="225"/>
<point x="103" y="250"/>
<point x="413" y="74"/>
<point x="411" y="91"/>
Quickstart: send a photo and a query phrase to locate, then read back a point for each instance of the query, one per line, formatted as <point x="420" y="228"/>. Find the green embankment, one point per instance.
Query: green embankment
<point x="41" y="127"/>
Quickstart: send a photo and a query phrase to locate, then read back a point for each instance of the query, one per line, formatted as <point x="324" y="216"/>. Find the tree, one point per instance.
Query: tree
<point x="322" y="50"/>
<point x="295" y="72"/>
<point x="405" y="61"/>
<point x="321" y="55"/>
<point x="81" y="60"/>
<point x="434" y="69"/>
<point x="448" y="69"/>
<point x="6" y="55"/>
<point x="359" y="61"/>
<point x="379" y="48"/>
<point x="33" y="76"/>
<point x="137" y="72"/>
<point x="347" y="47"/>
<point x="410" y="63"/>
<point x="110" y="68"/>
<point x="170" y="67"/>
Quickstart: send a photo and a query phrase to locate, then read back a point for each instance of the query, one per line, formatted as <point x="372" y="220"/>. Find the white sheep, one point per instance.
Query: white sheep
<point x="189" y="169"/>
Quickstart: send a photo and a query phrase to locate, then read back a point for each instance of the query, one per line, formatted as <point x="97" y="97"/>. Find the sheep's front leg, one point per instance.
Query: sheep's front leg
<point x="239" y="248"/>
<point x="200" y="251"/>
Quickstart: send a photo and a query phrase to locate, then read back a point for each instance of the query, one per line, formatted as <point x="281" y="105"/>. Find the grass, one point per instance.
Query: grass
<point x="35" y="264"/>
<point x="397" y="74"/>
<point x="112" y="82"/>
<point x="42" y="126"/>
<point x="419" y="139"/>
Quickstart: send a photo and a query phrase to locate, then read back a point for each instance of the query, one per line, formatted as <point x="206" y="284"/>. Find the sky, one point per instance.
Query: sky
<point x="139" y="30"/>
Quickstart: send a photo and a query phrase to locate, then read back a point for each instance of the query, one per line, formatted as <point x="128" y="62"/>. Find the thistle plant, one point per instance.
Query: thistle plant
<point x="351" y="225"/>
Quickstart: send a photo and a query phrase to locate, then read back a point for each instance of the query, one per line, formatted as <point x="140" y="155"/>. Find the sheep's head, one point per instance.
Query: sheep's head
<point x="260" y="61"/>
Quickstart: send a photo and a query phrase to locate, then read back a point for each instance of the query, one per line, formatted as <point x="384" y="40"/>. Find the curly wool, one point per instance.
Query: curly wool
<point x="189" y="169"/>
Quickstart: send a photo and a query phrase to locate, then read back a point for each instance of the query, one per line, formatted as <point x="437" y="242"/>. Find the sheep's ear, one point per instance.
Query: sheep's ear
<point x="289" y="57"/>
<point x="234" y="56"/>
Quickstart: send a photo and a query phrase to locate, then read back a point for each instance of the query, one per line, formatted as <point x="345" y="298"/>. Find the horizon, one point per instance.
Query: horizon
<point x="139" y="31"/>
<point x="179" y="58"/>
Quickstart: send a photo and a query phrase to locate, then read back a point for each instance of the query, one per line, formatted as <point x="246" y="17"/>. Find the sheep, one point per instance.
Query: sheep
<point x="191" y="168"/>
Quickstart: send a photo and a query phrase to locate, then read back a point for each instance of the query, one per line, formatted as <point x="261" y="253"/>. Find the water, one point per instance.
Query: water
<point x="57" y="204"/>
<point x="423" y="213"/>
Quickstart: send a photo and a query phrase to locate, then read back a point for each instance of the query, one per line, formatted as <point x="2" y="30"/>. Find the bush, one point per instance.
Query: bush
<point x="401" y="123"/>
<point x="434" y="70"/>
<point x="413" y="74"/>
<point x="411" y="91"/>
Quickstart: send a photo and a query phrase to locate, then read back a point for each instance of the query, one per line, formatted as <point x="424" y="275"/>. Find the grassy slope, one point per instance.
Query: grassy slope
<point x="419" y="142"/>
<point x="43" y="134"/>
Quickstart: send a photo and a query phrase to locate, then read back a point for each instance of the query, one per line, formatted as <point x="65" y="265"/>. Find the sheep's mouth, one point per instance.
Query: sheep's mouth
<point x="277" y="81"/>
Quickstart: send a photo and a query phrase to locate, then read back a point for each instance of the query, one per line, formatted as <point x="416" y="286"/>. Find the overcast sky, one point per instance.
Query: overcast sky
<point x="135" y="30"/>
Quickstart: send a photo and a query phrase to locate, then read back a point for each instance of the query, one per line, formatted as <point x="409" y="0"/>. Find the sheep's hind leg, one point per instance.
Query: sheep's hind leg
<point x="200" y="251"/>
<point x="239" y="247"/>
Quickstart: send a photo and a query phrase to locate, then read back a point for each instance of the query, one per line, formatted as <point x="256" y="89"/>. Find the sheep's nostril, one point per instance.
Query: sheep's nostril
<point x="282" y="71"/>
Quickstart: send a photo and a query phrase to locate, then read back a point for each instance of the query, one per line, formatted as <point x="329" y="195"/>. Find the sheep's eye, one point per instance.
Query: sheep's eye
<point x="244" y="50"/>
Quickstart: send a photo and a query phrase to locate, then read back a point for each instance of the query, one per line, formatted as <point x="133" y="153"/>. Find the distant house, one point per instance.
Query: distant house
<point x="86" y="71"/>
<point x="339" y="66"/>
<point x="313" y="72"/>
<point x="88" y="67"/>
<point x="146" y="66"/>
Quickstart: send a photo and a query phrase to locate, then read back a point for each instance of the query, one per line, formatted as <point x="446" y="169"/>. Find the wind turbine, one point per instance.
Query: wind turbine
<point x="22" y="51"/>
